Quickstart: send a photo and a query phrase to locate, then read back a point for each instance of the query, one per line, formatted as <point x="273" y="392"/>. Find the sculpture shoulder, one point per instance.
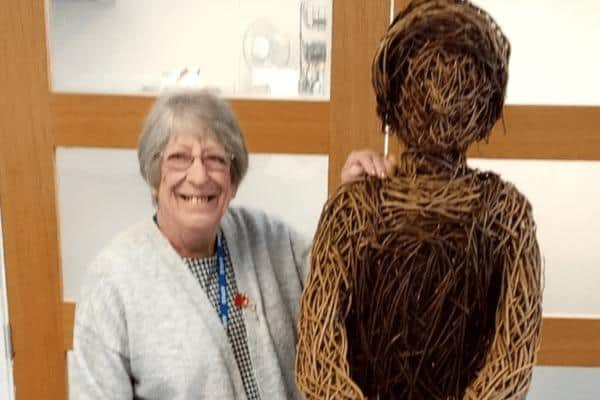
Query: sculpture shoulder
<point x="504" y="191"/>
<point x="505" y="207"/>
<point x="363" y="192"/>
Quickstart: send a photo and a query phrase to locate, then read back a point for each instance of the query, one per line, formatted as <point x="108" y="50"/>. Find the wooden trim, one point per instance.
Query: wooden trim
<point x="115" y="121"/>
<point x="544" y="132"/>
<point x="526" y="132"/>
<point x="570" y="342"/>
<point x="541" y="132"/>
<point x="28" y="204"/>
<point x="565" y="341"/>
<point x="357" y="28"/>
<point x="97" y="120"/>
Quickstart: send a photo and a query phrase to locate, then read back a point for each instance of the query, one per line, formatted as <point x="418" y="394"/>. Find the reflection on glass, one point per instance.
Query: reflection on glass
<point x="313" y="48"/>
<point x="250" y="48"/>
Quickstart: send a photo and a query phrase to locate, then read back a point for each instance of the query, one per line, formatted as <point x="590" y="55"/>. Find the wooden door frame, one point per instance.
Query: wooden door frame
<point x="34" y="121"/>
<point x="27" y="193"/>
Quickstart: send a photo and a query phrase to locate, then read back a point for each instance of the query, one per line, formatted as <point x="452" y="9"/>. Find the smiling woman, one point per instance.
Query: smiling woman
<point x="158" y="310"/>
<point x="192" y="197"/>
<point x="199" y="301"/>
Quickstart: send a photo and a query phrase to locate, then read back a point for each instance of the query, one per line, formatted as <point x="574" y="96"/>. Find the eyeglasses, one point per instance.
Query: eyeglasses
<point x="215" y="162"/>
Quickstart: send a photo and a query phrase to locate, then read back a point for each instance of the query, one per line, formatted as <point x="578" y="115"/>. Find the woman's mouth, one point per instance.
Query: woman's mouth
<point x="197" y="199"/>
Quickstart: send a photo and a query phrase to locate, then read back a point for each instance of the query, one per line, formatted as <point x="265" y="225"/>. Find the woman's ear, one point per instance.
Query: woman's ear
<point x="234" y="189"/>
<point x="154" y="194"/>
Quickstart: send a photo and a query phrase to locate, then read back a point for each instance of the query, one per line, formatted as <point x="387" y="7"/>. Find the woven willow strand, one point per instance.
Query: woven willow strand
<point x="440" y="75"/>
<point x="372" y="254"/>
<point x="427" y="285"/>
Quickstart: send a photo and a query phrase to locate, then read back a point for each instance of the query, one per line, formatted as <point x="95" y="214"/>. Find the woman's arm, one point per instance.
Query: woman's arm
<point x="99" y="365"/>
<point x="300" y="246"/>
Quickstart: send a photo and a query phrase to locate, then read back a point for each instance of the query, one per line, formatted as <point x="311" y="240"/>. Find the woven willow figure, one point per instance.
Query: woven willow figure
<point x="427" y="285"/>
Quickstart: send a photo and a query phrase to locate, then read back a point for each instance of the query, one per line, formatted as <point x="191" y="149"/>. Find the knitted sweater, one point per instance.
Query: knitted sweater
<point x="145" y="329"/>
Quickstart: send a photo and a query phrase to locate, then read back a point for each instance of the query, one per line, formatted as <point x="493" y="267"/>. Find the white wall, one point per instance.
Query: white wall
<point x="565" y="196"/>
<point x="6" y="378"/>
<point x="561" y="383"/>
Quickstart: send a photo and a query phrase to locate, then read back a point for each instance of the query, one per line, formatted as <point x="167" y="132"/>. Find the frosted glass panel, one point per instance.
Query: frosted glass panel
<point x="290" y="186"/>
<point x="558" y="383"/>
<point x="565" y="196"/>
<point x="100" y="193"/>
<point x="555" y="49"/>
<point x="250" y="48"/>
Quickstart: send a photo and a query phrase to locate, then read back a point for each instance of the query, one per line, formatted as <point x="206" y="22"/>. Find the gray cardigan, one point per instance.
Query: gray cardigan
<point x="145" y="328"/>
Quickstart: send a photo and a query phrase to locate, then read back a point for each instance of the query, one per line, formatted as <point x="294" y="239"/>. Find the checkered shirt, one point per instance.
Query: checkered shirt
<point x="205" y="270"/>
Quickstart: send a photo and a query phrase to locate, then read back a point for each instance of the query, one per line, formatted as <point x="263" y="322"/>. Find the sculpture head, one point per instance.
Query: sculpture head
<point x="440" y="75"/>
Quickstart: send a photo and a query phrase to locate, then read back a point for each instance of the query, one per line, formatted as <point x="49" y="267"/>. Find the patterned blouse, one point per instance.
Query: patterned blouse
<point x="206" y="271"/>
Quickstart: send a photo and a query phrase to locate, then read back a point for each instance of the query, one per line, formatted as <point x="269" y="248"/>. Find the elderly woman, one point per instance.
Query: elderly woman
<point x="200" y="301"/>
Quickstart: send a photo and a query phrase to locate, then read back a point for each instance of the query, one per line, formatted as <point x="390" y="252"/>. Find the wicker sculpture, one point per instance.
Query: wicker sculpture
<point x="427" y="285"/>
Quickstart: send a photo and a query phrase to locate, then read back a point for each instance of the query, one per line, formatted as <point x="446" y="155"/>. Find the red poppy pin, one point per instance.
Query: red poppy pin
<point x="241" y="300"/>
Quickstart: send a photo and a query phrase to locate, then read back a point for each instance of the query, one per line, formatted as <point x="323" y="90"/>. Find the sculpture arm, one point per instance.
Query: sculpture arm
<point x="322" y="370"/>
<point x="512" y="355"/>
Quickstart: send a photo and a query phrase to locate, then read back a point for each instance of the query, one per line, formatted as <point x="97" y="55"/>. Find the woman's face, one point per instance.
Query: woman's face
<point x="195" y="186"/>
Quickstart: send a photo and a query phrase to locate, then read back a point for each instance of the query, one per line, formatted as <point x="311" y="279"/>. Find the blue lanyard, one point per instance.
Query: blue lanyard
<point x="223" y="304"/>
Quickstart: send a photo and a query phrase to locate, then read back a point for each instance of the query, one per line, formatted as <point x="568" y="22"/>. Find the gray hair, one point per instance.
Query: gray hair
<point x="207" y="114"/>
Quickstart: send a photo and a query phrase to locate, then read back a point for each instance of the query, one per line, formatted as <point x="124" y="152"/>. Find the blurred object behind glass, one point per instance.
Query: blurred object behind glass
<point x="254" y="48"/>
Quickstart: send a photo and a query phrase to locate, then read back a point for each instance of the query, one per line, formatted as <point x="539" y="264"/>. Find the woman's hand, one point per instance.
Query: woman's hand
<point x="361" y="162"/>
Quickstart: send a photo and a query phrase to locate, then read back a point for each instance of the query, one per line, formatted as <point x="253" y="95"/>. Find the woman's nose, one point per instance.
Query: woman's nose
<point x="197" y="172"/>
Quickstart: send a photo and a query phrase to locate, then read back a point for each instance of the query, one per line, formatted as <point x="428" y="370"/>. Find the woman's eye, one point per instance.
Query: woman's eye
<point x="214" y="158"/>
<point x="179" y="157"/>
